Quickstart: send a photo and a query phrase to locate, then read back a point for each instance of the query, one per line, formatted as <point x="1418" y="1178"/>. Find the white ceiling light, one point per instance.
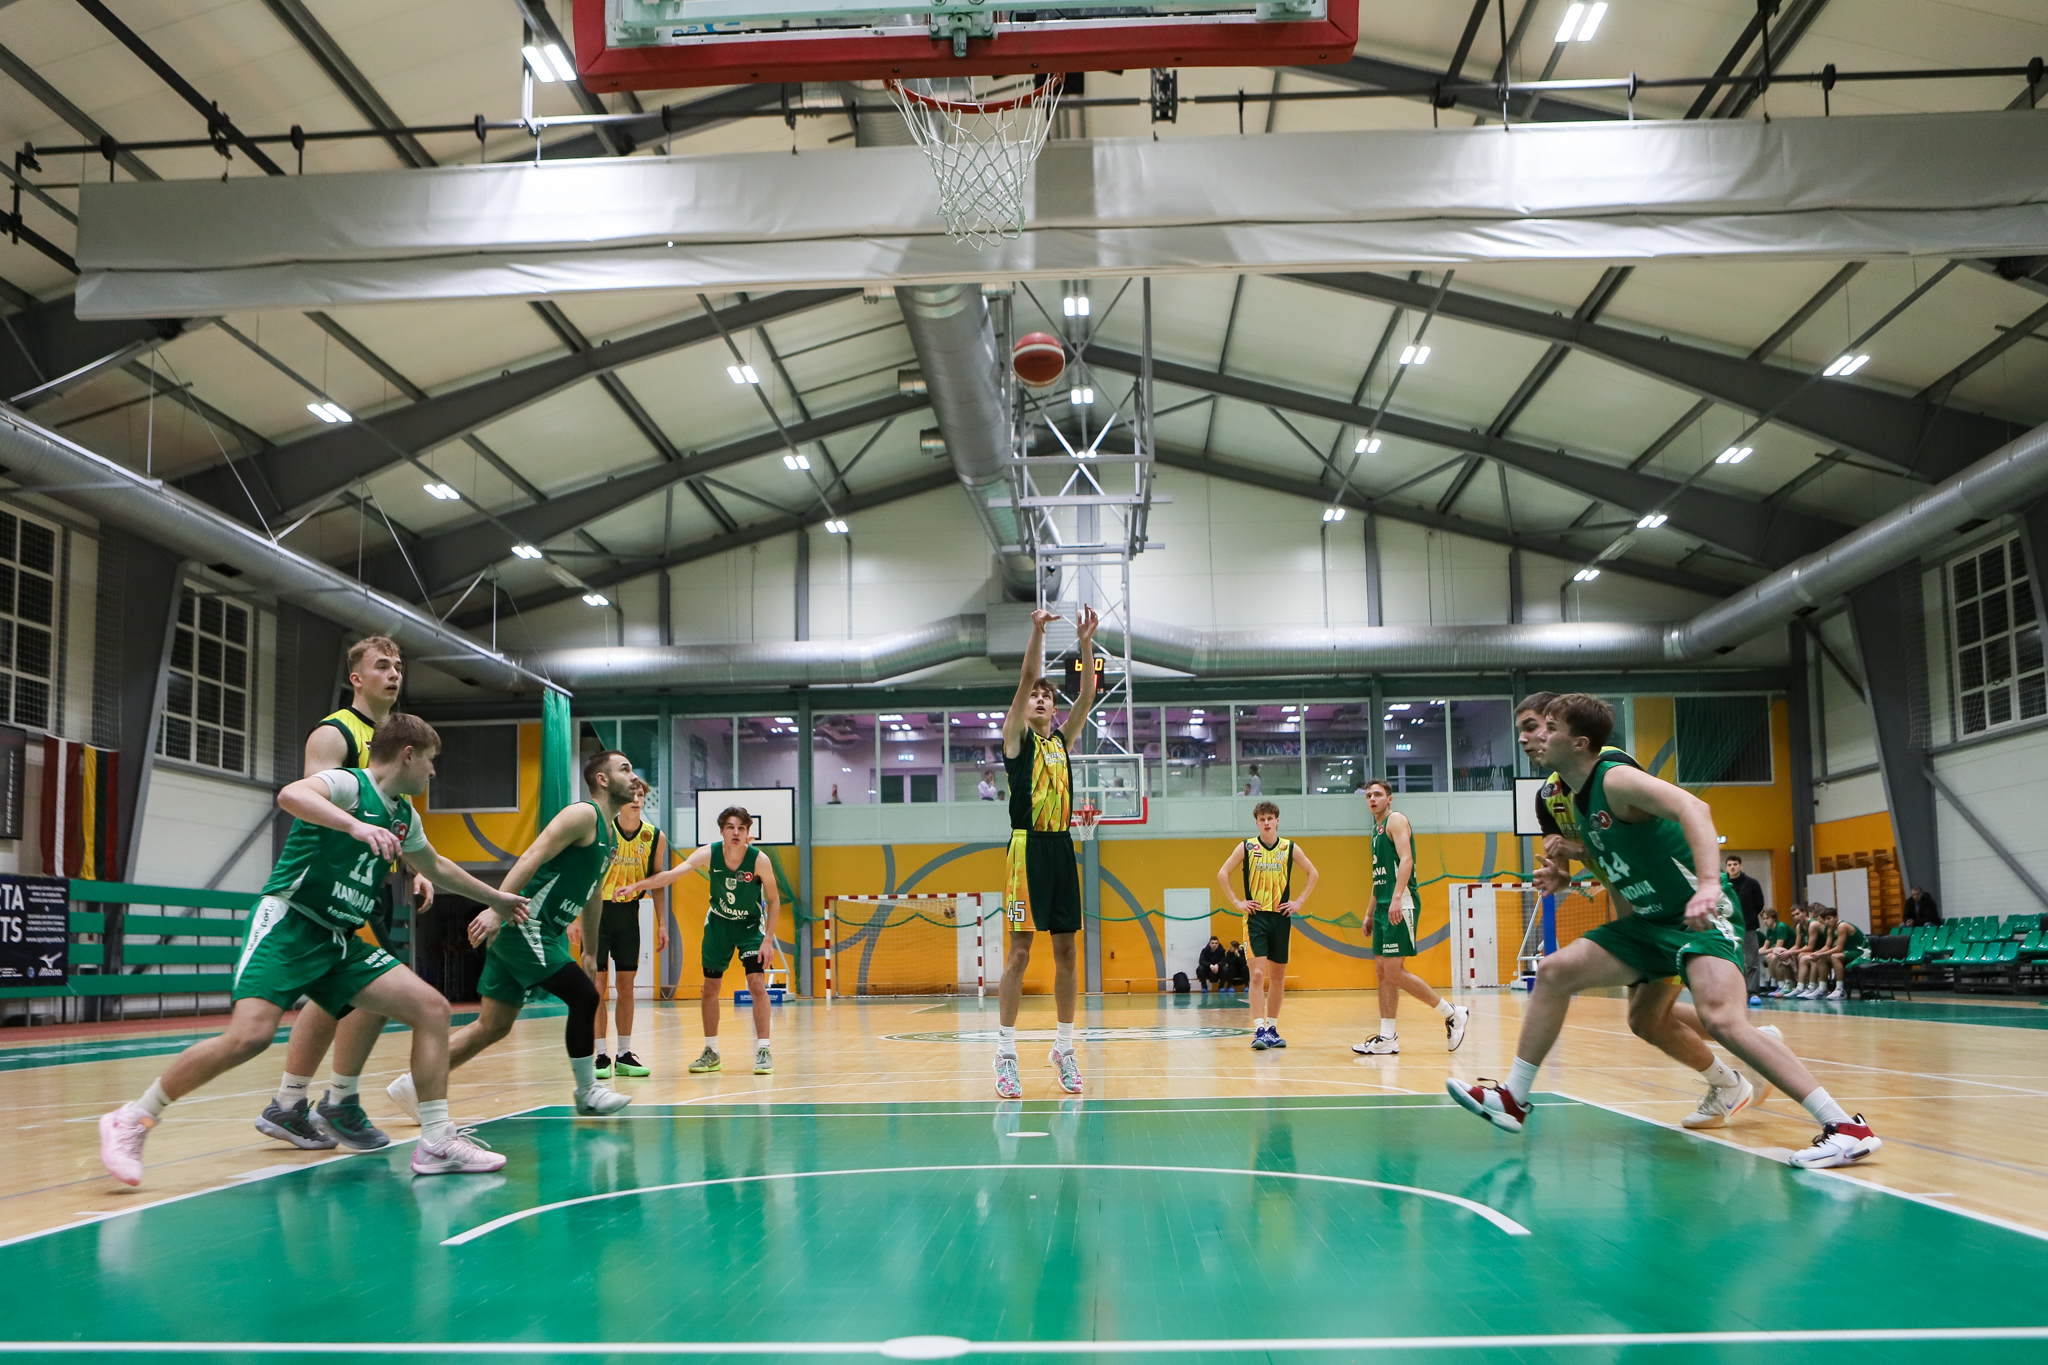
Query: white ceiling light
<point x="538" y="65"/>
<point x="1581" y="22"/>
<point x="1081" y="398"/>
<point x="329" y="412"/>
<point x="785" y="720"/>
<point x="441" y="492"/>
<point x="596" y="599"/>
<point x="742" y="374"/>
<point x="837" y="528"/>
<point x="1415" y="355"/>
<point x="566" y="69"/>
<point x="1652" y="521"/>
<point x="1397" y="706"/>
<point x="1735" y="454"/>
<point x="526" y="552"/>
<point x="1846" y="365"/>
<point x="796" y="461"/>
<point x="889" y="718"/>
<point x="1585" y="575"/>
<point x="1333" y="514"/>
<point x="1367" y="445"/>
<point x="1076" y="305"/>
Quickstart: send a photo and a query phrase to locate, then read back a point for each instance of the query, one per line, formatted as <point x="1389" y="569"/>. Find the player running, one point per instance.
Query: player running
<point x="1040" y="875"/>
<point x="564" y="867"/>
<point x="740" y="919"/>
<point x="1265" y="865"/>
<point x="1647" y="837"/>
<point x="1393" y="928"/>
<point x="348" y="824"/>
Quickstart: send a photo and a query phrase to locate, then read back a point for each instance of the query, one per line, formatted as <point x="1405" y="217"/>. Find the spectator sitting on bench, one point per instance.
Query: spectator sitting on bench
<point x="1209" y="969"/>
<point x="1920" y="910"/>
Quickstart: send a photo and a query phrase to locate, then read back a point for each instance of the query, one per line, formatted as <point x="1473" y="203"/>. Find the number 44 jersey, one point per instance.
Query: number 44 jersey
<point x="329" y="876"/>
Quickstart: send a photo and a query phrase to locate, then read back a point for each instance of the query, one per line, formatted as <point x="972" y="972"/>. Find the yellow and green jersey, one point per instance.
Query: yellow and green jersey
<point x="356" y="729"/>
<point x="1041" y="783"/>
<point x="1268" y="873"/>
<point x="632" y="860"/>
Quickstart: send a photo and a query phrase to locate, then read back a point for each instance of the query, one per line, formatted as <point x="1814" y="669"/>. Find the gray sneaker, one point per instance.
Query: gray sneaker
<point x="348" y="1124"/>
<point x="294" y="1125"/>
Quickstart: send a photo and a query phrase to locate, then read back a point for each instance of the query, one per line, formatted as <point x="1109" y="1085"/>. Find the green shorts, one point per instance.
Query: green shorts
<point x="1856" y="957"/>
<point x="1266" y="933"/>
<point x="286" y="955"/>
<point x="723" y="938"/>
<point x="1392" y="935"/>
<point x="520" y="958"/>
<point x="1040" y="874"/>
<point x="1658" y="949"/>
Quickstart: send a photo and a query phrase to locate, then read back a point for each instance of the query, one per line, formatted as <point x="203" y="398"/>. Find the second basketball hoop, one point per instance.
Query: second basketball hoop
<point x="982" y="136"/>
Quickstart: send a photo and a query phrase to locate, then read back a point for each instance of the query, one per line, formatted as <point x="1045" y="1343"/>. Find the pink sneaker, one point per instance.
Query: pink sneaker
<point x="463" y="1153"/>
<point x="121" y="1136"/>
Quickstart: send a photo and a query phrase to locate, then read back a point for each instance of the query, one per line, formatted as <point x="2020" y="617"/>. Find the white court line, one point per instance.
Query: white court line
<point x="1924" y="1201"/>
<point x="1499" y="1220"/>
<point x="942" y="1348"/>
<point x="691" y="1113"/>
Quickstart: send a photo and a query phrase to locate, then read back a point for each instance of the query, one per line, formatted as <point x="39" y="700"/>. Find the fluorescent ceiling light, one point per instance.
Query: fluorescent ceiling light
<point x="1367" y="446"/>
<point x="566" y="69"/>
<point x="1076" y="305"/>
<point x="1594" y="14"/>
<point x="1415" y="355"/>
<point x="441" y="492"/>
<point x="538" y="65"/>
<point x="1735" y="454"/>
<point x="596" y="599"/>
<point x="742" y="374"/>
<point x="1081" y="398"/>
<point x="1397" y="706"/>
<point x="837" y="528"/>
<point x="1289" y="710"/>
<point x="1845" y="365"/>
<point x="1652" y="521"/>
<point x="1333" y="514"/>
<point x="1585" y="575"/>
<point x="526" y="552"/>
<point x="796" y="462"/>
<point x="1581" y="22"/>
<point x="329" y="412"/>
<point x="889" y="718"/>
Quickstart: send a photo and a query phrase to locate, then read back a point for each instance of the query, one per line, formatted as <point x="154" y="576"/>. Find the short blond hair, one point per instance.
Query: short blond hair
<point x="361" y="648"/>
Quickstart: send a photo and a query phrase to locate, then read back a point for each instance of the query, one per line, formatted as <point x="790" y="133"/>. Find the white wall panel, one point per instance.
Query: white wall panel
<point x="2005" y="786"/>
<point x="193" y="823"/>
<point x="1862" y="795"/>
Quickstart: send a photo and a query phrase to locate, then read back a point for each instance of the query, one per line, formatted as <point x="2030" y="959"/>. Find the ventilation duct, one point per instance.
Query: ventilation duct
<point x="40" y="460"/>
<point x="794" y="663"/>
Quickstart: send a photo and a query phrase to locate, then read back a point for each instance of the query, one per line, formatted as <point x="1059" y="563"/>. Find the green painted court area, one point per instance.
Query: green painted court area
<point x="1337" y="1227"/>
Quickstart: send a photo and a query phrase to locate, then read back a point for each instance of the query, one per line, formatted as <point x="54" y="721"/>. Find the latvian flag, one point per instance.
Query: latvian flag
<point x="79" y="811"/>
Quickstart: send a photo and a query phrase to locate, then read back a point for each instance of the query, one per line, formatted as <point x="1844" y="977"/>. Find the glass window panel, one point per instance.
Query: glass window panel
<point x="32" y="651"/>
<point x="38" y="547"/>
<point x="1973" y="712"/>
<point x="6" y="695"/>
<point x="2027" y="650"/>
<point x="6" y="587"/>
<point x="913" y="745"/>
<point x="843" y="759"/>
<point x="37" y="601"/>
<point x="703" y="761"/>
<point x="31" y="703"/>
<point x="1966" y="580"/>
<point x="1269" y="750"/>
<point x="206" y="746"/>
<point x="210" y="615"/>
<point x="1970" y="666"/>
<point x="187" y="611"/>
<point x="1483" y="748"/>
<point x="7" y="643"/>
<point x="2022" y="602"/>
<point x="209" y="703"/>
<point x="1969" y="624"/>
<point x="768" y="751"/>
<point x="974" y="742"/>
<point x="178" y="695"/>
<point x="233" y="752"/>
<point x="234" y="709"/>
<point x="237" y="625"/>
<point x="234" y="666"/>
<point x="1190" y="741"/>
<point x="10" y="532"/>
<point x="2033" y="696"/>
<point x="1339" y="738"/>
<point x="209" y="657"/>
<point x="1996" y="618"/>
<point x="1998" y="701"/>
<point x="1991" y="569"/>
<point x="181" y="651"/>
<point x="1998" y="659"/>
<point x="177" y="738"/>
<point x="1416" y="746"/>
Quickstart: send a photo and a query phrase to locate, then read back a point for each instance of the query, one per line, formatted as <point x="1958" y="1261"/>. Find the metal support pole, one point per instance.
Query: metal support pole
<point x="1799" y="712"/>
<point x="1091" y="911"/>
<point x="1376" y="748"/>
<point x="806" y="794"/>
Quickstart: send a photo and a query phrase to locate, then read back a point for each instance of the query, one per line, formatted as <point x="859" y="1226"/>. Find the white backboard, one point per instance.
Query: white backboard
<point x="1526" y="789"/>
<point x="773" y="809"/>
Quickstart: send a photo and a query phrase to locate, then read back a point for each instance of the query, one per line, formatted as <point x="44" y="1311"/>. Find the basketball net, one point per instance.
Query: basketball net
<point x="1085" y="816"/>
<point x="981" y="149"/>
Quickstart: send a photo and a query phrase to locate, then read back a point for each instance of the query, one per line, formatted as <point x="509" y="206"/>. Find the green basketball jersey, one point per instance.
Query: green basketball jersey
<point x="332" y="878"/>
<point x="561" y="886"/>
<point x="1855" y="939"/>
<point x="1648" y="864"/>
<point x="1386" y="862"/>
<point x="1779" y="937"/>
<point x="735" y="892"/>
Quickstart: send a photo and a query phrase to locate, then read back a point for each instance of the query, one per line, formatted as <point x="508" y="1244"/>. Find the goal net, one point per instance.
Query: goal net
<point x="945" y="944"/>
<point x="1579" y="907"/>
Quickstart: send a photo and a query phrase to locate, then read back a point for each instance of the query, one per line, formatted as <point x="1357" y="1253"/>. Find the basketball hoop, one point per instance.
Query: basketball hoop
<point x="981" y="149"/>
<point x="1085" y="816"/>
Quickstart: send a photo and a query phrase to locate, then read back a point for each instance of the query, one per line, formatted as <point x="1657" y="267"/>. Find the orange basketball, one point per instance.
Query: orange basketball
<point x="1039" y="360"/>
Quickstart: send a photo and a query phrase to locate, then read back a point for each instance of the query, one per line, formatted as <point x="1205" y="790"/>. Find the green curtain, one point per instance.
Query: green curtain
<point x="1723" y="739"/>
<point x="557" y="755"/>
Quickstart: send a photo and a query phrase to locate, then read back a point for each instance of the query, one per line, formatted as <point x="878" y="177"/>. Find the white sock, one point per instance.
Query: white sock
<point x="586" y="1073"/>
<point x="1258" y="1024"/>
<point x="292" y="1089"/>
<point x="1443" y="1009"/>
<point x="341" y="1087"/>
<point x="760" y="1040"/>
<point x="1521" y="1076"/>
<point x="625" y="1044"/>
<point x="1064" y="1036"/>
<point x="1387" y="1029"/>
<point x="154" y="1101"/>
<point x="712" y="1044"/>
<point x="1822" y="1106"/>
<point x="1006" y="1040"/>
<point x="1721" y="1074"/>
<point x="434" y="1125"/>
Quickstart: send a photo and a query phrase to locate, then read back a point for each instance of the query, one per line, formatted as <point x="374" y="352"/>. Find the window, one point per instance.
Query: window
<point x="206" y="698"/>
<point x="913" y="756"/>
<point x="1998" y="675"/>
<point x="1723" y="739"/>
<point x="28" y="619"/>
<point x="1192" y="767"/>
<point x="768" y="750"/>
<point x="843" y="760"/>
<point x="478" y="769"/>
<point x="1483" y="748"/>
<point x="1416" y="749"/>
<point x="1339" y="746"/>
<point x="974" y="741"/>
<point x="1269" y="750"/>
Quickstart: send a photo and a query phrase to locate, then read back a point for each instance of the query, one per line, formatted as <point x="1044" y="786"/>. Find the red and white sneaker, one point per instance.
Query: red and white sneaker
<point x="121" y="1136"/>
<point x="460" y="1153"/>
<point x="1839" y="1144"/>
<point x="1491" y="1101"/>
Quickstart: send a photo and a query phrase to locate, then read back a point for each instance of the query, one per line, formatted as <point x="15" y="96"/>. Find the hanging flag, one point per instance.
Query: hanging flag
<point x="80" y="814"/>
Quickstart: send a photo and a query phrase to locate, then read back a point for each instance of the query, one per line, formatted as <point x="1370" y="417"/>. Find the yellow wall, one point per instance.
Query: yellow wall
<point x="1857" y="834"/>
<point x="511" y="831"/>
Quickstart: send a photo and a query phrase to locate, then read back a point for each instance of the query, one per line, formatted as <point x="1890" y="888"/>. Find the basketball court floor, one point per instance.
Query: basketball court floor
<point x="873" y="1198"/>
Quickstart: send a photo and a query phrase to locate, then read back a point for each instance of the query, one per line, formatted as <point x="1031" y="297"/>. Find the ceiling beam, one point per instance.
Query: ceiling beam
<point x="1256" y="476"/>
<point x="80" y="122"/>
<point x="309" y="34"/>
<point x="1911" y="435"/>
<point x="314" y="467"/>
<point x="542" y="23"/>
<point x="916" y="485"/>
<point x="1367" y="72"/>
<point x="447" y="558"/>
<point x="1771" y="537"/>
<point x="1782" y="38"/>
<point x="50" y="352"/>
<point x="216" y="117"/>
